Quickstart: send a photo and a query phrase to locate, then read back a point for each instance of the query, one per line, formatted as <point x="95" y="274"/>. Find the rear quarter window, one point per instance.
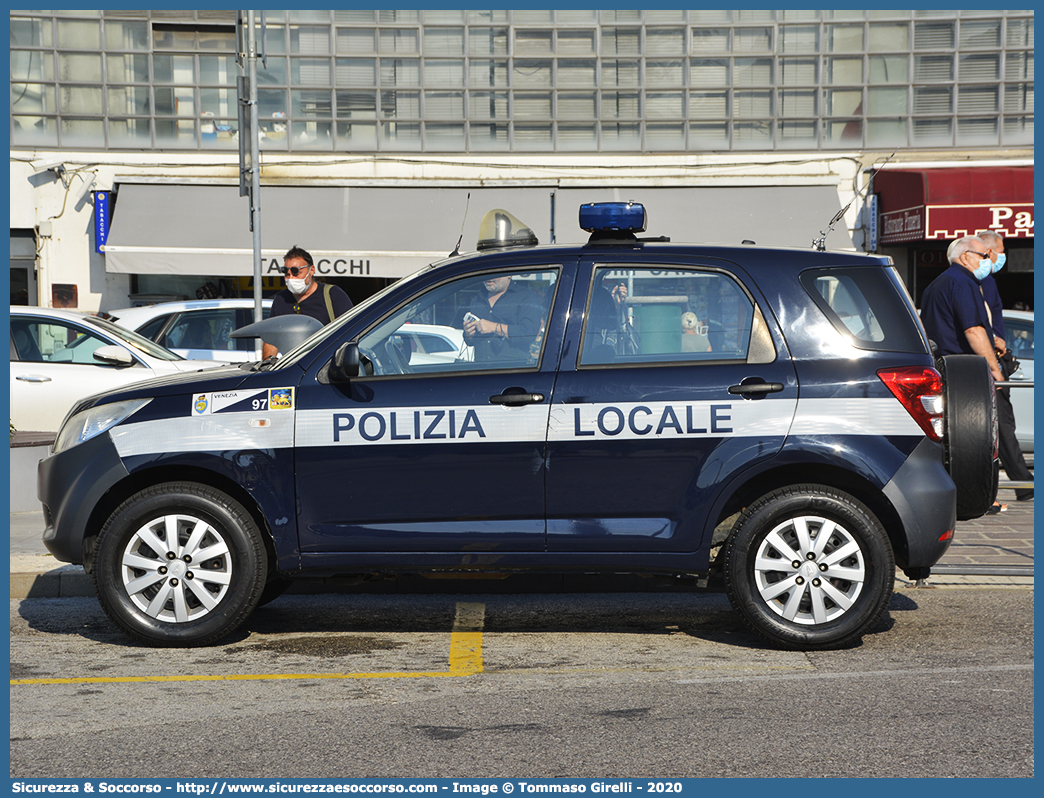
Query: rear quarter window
<point x="866" y="305"/>
<point x="151" y="329"/>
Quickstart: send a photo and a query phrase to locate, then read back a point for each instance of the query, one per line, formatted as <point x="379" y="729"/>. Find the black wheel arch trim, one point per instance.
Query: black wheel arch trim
<point x="912" y="541"/>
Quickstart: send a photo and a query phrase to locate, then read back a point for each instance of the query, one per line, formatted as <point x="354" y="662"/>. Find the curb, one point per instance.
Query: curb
<point x="69" y="581"/>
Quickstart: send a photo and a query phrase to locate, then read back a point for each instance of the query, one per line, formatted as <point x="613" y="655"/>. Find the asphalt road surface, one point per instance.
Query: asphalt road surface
<point x="592" y="685"/>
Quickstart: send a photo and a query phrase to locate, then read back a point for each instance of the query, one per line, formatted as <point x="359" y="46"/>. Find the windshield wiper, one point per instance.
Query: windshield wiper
<point x="265" y="364"/>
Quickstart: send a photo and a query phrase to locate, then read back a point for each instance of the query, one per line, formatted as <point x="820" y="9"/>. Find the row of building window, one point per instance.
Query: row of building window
<point x="540" y="136"/>
<point x="503" y="95"/>
<point x="31" y="67"/>
<point x="131" y="36"/>
<point x="476" y="105"/>
<point x="536" y="16"/>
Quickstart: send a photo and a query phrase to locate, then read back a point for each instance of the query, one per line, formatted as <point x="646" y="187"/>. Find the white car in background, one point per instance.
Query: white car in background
<point x="1018" y="331"/>
<point x="197" y="329"/>
<point x="431" y="343"/>
<point x="61" y="356"/>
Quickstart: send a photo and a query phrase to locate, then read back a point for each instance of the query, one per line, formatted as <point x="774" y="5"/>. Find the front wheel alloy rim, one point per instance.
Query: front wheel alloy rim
<point x="810" y="570"/>
<point x="176" y="568"/>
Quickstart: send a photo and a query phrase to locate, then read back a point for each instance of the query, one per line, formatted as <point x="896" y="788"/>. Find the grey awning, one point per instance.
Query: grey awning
<point x="775" y="216"/>
<point x="392" y="232"/>
<point x="205" y="230"/>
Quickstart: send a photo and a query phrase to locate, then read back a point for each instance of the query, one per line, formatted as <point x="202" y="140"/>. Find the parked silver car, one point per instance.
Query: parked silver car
<point x="60" y="356"/>
<point x="197" y="329"/>
<point x="1018" y="327"/>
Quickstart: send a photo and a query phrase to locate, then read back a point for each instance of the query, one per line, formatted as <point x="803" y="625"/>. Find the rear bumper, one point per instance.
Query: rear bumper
<point x="925" y="498"/>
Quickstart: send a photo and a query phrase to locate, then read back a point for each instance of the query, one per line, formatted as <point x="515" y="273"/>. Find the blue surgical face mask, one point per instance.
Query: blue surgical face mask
<point x="985" y="267"/>
<point x="1000" y="263"/>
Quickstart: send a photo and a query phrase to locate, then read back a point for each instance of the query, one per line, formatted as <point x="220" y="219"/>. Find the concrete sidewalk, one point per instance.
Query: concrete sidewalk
<point x="997" y="541"/>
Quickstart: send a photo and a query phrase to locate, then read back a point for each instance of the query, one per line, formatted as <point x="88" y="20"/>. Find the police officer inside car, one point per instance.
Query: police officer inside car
<point x="304" y="295"/>
<point x="503" y="321"/>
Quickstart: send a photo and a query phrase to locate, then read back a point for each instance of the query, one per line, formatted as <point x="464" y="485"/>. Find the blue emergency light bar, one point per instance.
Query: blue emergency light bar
<point x="624" y="217"/>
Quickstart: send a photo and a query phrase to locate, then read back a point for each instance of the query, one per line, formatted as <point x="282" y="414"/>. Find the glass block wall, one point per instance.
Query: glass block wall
<point x="528" y="81"/>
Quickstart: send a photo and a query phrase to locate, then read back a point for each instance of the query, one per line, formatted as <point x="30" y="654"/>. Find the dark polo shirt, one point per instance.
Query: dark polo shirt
<point x="285" y="304"/>
<point x="520" y="310"/>
<point x="951" y="304"/>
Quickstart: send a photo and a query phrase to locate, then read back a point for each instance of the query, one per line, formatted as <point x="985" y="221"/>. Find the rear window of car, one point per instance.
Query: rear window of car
<point x="867" y="305"/>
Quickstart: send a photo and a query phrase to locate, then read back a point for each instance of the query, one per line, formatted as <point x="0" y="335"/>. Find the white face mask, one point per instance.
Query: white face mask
<point x="297" y="286"/>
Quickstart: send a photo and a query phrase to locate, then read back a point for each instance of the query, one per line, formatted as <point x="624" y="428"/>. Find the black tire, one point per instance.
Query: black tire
<point x="274" y="588"/>
<point x="164" y="593"/>
<point x="801" y="593"/>
<point x="970" y="437"/>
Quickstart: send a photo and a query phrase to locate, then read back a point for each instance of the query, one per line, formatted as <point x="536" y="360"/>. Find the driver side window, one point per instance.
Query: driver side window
<point x="54" y="342"/>
<point x="488" y="321"/>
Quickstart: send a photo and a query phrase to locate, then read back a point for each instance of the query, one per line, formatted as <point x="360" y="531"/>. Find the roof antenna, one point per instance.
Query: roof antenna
<point x="819" y="243"/>
<point x="456" y="249"/>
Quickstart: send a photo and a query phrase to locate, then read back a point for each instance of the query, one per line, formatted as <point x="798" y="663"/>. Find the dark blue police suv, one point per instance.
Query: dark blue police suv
<point x="775" y="416"/>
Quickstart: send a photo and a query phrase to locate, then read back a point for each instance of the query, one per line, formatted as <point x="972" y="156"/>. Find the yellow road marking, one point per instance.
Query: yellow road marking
<point x="465" y="659"/>
<point x="466" y="640"/>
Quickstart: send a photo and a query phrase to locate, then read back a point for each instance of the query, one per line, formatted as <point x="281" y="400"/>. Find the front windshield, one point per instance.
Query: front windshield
<point x="295" y="354"/>
<point x="132" y="339"/>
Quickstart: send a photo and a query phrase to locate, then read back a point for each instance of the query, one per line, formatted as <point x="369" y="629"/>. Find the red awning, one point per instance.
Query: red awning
<point x="943" y="204"/>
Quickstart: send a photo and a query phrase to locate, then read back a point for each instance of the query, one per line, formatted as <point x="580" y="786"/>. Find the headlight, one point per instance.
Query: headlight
<point x="86" y="425"/>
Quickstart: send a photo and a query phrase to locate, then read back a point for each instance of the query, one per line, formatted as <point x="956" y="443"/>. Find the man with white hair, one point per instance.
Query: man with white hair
<point x="954" y="311"/>
<point x="952" y="307"/>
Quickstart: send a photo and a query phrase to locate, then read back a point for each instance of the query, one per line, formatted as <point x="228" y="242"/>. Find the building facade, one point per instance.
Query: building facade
<point x="386" y="135"/>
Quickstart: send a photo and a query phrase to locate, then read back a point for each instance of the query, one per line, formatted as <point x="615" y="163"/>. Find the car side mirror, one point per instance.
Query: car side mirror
<point x="345" y="363"/>
<point x="282" y="332"/>
<point x="113" y="355"/>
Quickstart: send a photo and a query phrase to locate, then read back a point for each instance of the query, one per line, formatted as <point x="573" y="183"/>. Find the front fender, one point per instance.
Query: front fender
<point x="263" y="478"/>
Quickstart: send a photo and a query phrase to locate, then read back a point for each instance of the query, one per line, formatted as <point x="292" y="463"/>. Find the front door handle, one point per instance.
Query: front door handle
<point x="520" y="398"/>
<point x="755" y="389"/>
<point x="32" y="378"/>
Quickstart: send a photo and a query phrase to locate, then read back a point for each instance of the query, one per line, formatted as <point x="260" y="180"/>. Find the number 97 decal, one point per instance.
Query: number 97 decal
<point x="243" y="401"/>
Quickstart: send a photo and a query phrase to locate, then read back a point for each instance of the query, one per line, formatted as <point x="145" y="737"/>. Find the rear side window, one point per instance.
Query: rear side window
<point x="866" y="305"/>
<point x="670" y="315"/>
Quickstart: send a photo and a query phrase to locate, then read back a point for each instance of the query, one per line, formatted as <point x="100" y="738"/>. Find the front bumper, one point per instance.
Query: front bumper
<point x="70" y="485"/>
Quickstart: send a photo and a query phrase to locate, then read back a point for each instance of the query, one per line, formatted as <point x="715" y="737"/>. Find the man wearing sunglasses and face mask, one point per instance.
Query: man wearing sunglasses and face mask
<point x="952" y="308"/>
<point x="304" y="295"/>
<point x="954" y="312"/>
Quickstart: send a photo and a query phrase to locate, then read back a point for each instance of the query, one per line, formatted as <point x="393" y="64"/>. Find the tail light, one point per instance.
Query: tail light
<point x="920" y="390"/>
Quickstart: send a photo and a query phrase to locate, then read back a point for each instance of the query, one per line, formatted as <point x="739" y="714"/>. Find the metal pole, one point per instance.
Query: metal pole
<point x="552" y="217"/>
<point x="255" y="168"/>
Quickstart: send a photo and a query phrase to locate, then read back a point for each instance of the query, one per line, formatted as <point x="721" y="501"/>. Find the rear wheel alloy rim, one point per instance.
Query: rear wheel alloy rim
<point x="810" y="570"/>
<point x="176" y="568"/>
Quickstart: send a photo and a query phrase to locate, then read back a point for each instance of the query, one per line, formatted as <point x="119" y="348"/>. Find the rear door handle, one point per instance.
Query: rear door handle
<point x="516" y="399"/>
<point x="756" y="388"/>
